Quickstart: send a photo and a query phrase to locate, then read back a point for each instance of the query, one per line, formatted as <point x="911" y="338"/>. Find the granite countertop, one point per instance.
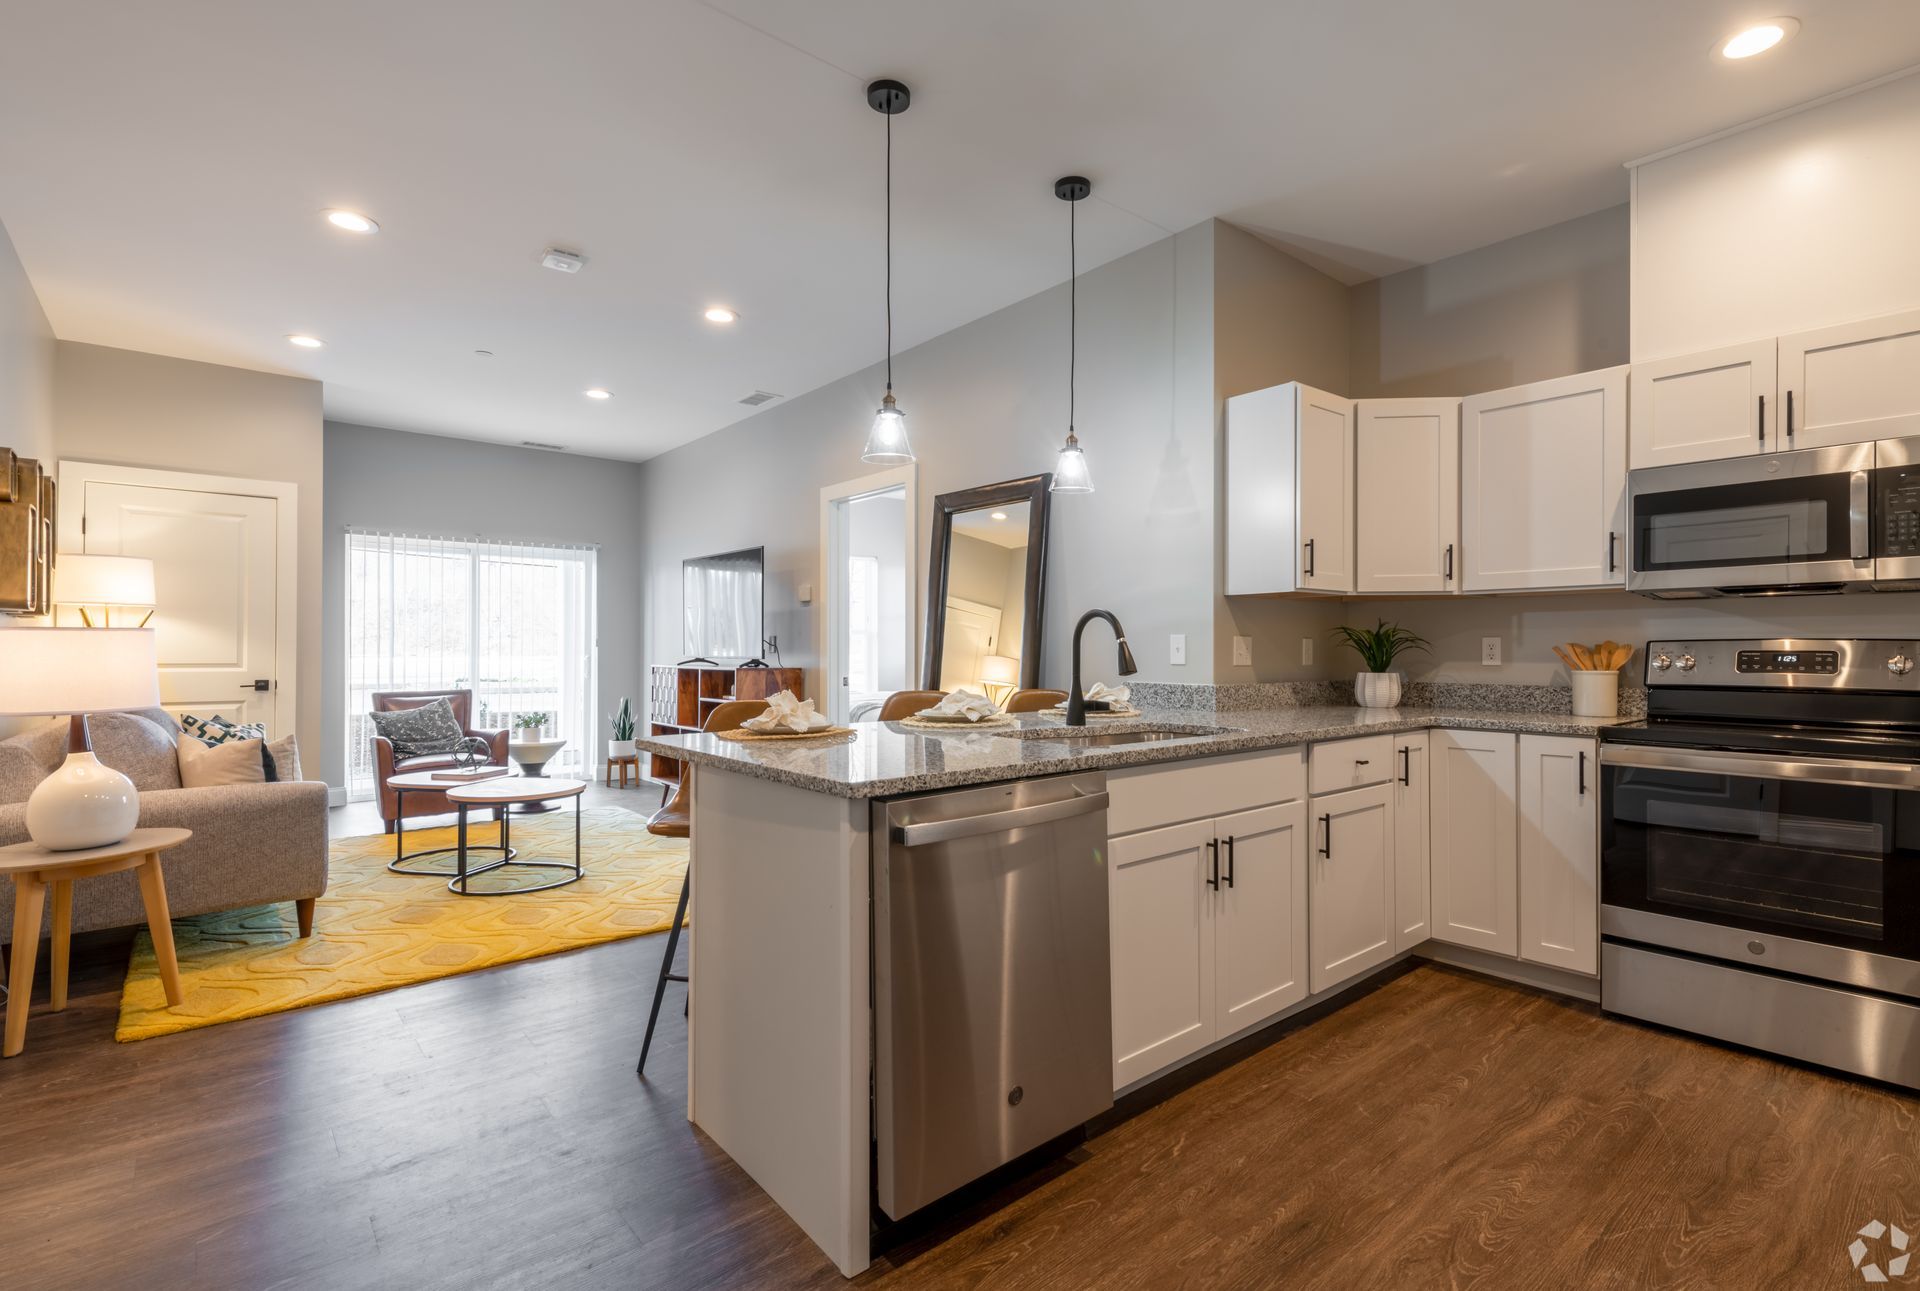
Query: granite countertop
<point x="884" y="758"/>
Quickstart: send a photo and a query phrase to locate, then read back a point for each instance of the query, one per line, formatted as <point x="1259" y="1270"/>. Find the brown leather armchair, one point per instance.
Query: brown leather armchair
<point x="384" y="765"/>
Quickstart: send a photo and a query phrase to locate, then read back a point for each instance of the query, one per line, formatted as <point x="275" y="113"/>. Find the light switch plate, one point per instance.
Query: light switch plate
<point x="1177" y="648"/>
<point x="1490" y="650"/>
<point x="1243" y="652"/>
<point x="806" y="593"/>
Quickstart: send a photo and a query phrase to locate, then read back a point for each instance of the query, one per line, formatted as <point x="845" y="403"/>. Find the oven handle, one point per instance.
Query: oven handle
<point x="1857" y="515"/>
<point x="1864" y="775"/>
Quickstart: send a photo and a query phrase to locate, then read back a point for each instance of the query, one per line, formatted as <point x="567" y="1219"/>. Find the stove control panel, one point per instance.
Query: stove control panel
<point x="1786" y="664"/>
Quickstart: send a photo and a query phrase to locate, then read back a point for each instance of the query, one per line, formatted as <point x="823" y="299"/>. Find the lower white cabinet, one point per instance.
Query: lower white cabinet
<point x="1559" y="831"/>
<point x="1209" y="929"/>
<point x="1411" y="867"/>
<point x="1474" y="843"/>
<point x="1351" y="884"/>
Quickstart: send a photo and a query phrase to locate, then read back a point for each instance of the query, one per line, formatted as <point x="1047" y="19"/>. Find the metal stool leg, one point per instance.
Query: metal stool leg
<point x="666" y="970"/>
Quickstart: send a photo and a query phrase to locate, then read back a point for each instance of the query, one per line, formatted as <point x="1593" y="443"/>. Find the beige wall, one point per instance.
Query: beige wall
<point x="26" y="385"/>
<point x="131" y="409"/>
<point x="1545" y="304"/>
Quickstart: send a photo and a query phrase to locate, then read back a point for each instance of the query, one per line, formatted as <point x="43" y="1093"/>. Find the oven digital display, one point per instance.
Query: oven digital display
<point x="1827" y="661"/>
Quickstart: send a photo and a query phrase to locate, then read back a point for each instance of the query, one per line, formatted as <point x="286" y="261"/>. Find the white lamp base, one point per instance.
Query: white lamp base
<point x="86" y="803"/>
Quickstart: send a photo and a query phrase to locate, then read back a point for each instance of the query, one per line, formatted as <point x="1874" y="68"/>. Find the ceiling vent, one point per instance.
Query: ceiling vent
<point x="545" y="448"/>
<point x="759" y="397"/>
<point x="564" y="261"/>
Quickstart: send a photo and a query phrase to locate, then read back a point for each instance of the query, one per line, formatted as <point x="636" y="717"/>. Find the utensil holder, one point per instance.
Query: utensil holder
<point x="1596" y="693"/>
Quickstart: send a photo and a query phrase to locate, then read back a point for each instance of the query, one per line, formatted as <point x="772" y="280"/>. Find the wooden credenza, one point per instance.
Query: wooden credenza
<point x="682" y="695"/>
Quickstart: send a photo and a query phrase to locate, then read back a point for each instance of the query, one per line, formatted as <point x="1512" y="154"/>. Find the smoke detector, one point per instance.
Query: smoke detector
<point x="759" y="397"/>
<point x="563" y="261"/>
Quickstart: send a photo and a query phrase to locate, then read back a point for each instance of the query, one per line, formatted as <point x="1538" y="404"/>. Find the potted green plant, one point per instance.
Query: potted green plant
<point x="528" y="726"/>
<point x="621" y="745"/>
<point x="1380" y="686"/>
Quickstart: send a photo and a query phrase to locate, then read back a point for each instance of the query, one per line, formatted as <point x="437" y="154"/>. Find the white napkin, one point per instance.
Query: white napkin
<point x="963" y="703"/>
<point x="786" y="711"/>
<point x="1115" y="695"/>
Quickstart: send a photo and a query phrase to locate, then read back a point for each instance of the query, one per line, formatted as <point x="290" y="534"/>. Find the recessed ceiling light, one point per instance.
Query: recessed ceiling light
<point x="352" y="222"/>
<point x="999" y="515"/>
<point x="305" y="342"/>
<point x="598" y="393"/>
<point x="721" y="314"/>
<point x="1759" y="38"/>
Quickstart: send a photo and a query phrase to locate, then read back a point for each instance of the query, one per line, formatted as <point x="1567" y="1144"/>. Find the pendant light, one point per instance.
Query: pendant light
<point x="887" y="441"/>
<point x="1070" y="470"/>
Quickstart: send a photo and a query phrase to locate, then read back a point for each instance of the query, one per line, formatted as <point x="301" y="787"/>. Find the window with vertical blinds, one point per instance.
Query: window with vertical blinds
<point x="511" y="621"/>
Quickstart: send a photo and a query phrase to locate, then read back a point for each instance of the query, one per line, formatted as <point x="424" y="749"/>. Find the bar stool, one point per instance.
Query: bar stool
<point x="905" y="703"/>
<point x="675" y="820"/>
<point x="1035" y="701"/>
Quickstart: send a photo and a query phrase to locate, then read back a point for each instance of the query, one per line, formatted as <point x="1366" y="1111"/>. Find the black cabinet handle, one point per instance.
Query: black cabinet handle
<point x="1449" y="574"/>
<point x="1309" y="558"/>
<point x="1613" y="540"/>
<point x="1360" y="762"/>
<point x="1763" y="420"/>
<point x="1229" y="860"/>
<point x="1213" y="869"/>
<point x="1406" y="764"/>
<point x="1326" y="823"/>
<point x="1789" y="414"/>
<point x="1583" y="773"/>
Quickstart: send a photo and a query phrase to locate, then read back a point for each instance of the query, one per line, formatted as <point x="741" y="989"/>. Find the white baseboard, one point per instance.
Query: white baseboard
<point x="1557" y="980"/>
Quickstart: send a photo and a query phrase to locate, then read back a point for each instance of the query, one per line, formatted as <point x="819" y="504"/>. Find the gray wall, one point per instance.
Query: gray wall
<point x="26" y="385"/>
<point x="988" y="402"/>
<point x="409" y="483"/>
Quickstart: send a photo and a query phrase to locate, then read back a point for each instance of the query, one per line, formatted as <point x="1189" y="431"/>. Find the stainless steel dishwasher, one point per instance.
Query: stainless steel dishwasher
<point x="992" y="1007"/>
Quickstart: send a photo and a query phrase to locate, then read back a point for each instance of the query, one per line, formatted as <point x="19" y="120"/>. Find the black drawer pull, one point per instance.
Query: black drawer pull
<point x="1583" y="773"/>
<point x="1406" y="764"/>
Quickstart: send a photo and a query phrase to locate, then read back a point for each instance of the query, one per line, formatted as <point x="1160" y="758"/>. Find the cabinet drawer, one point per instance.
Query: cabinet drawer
<point x="1348" y="764"/>
<point x="1149" y="797"/>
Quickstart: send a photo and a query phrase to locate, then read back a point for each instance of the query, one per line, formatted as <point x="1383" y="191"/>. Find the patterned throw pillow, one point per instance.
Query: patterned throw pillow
<point x="218" y="730"/>
<point x="427" y="731"/>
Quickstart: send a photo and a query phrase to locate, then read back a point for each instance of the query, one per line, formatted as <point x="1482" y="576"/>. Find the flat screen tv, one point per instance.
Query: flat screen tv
<point x="724" y="605"/>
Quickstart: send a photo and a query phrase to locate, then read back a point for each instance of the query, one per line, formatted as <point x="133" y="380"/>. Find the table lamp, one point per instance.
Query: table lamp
<point x="70" y="672"/>
<point x="104" y="583"/>
<point x="999" y="675"/>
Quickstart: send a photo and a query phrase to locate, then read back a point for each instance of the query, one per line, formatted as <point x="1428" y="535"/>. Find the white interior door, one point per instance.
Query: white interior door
<point x="215" y="567"/>
<point x="972" y="633"/>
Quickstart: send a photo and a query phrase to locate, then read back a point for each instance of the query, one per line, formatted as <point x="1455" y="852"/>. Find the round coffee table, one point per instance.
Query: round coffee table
<point x="424" y="782"/>
<point x="505" y="792"/>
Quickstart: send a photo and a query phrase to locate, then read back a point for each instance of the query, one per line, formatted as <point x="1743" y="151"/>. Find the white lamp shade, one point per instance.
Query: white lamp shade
<point x="103" y="580"/>
<point x="1070" y="474"/>
<point x="887" y="439"/>
<point x="1000" y="670"/>
<point x="52" y="672"/>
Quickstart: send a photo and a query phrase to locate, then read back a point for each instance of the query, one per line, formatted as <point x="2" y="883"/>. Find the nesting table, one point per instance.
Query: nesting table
<point x="34" y="869"/>
<point x="506" y="792"/>
<point x="427" y="782"/>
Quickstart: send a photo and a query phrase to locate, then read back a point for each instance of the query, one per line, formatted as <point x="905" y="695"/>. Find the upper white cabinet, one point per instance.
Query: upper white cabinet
<point x="1352" y="885"/>
<point x="1289" y="473"/>
<point x="1704" y="406"/>
<point x="1474" y="840"/>
<point x="1543" y="482"/>
<point x="1857" y="381"/>
<point x="1559" y="852"/>
<point x="1411" y="922"/>
<point x="1407" y="495"/>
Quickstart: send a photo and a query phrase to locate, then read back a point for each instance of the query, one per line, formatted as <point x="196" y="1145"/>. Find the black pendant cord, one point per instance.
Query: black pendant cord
<point x="1073" y="306"/>
<point x="889" y="253"/>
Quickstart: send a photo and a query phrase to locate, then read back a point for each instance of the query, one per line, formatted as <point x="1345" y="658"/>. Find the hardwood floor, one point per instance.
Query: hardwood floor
<point x="488" y="1131"/>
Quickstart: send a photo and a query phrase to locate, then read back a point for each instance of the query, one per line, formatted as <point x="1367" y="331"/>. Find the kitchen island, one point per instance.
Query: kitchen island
<point x="781" y="1040"/>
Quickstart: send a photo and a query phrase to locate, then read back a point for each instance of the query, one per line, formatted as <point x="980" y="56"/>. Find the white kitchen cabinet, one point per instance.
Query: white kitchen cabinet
<point x="1854" y="382"/>
<point x="1411" y="903"/>
<point x="1474" y="844"/>
<point x="1260" y="926"/>
<point x="1289" y="475"/>
<point x="1334" y="765"/>
<point x="1351" y="884"/>
<point x="1543" y="476"/>
<point x="1407" y="495"/>
<point x="1699" y="407"/>
<point x="1559" y="852"/>
<point x="1162" y="916"/>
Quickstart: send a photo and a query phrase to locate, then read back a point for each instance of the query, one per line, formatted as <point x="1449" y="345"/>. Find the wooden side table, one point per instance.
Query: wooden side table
<point x="34" y="869"/>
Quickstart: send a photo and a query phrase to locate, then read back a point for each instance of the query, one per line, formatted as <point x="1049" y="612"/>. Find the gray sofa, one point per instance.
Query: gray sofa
<point x="252" y="844"/>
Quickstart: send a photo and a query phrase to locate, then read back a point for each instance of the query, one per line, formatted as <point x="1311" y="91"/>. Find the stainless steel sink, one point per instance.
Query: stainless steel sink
<point x="1093" y="737"/>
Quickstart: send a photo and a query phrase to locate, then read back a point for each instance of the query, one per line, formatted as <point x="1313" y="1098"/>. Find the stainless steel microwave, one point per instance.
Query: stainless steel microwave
<point x="1819" y="520"/>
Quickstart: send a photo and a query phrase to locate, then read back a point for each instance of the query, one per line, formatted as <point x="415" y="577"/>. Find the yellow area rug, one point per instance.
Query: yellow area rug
<point x="376" y="930"/>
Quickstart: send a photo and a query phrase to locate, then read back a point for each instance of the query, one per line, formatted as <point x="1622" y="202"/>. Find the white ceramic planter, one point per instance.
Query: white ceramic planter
<point x="1596" y="693"/>
<point x="1377" y="689"/>
<point x="620" y="748"/>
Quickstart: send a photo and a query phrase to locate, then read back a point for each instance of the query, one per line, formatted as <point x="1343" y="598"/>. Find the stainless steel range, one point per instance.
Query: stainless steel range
<point x="1760" y="850"/>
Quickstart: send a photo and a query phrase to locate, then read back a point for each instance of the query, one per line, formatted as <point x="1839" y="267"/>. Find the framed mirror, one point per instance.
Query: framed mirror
<point x="986" y="587"/>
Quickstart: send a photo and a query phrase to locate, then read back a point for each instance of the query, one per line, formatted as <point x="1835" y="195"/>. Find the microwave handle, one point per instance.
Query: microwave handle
<point x="1857" y="503"/>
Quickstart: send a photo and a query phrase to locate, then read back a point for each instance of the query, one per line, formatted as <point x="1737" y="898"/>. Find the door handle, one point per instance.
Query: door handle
<point x="1613" y="541"/>
<point x="1763" y="421"/>
<point x="1309" y="558"/>
<point x="1229" y="860"/>
<point x="1406" y="764"/>
<point x="1448" y="576"/>
<point x="1583" y="773"/>
<point x="1859" y="532"/>
<point x="1326" y="849"/>
<point x="1213" y="867"/>
<point x="1789" y="414"/>
<point x="259" y="683"/>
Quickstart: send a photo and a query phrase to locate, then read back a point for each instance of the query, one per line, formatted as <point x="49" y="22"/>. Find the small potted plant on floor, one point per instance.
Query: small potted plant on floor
<point x="1379" y="686"/>
<point x="621" y="745"/>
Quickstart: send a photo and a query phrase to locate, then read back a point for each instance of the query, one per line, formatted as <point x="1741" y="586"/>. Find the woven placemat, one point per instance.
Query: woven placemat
<point x="999" y="720"/>
<point x="833" y="734"/>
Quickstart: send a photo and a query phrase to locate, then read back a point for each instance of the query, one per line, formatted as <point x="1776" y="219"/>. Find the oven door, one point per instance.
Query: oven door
<point x="1806" y="866"/>
<point x="1792" y="521"/>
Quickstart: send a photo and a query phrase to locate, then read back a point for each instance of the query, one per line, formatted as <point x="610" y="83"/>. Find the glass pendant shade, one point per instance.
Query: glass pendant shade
<point x="1070" y="474"/>
<point x="887" y="442"/>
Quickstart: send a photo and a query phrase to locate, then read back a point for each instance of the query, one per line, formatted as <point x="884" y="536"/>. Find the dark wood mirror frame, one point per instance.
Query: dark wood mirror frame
<point x="1035" y="491"/>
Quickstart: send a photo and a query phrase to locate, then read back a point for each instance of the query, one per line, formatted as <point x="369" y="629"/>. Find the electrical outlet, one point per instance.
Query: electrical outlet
<point x="1243" y="652"/>
<point x="1489" y="650"/>
<point x="1177" y="648"/>
<point x="1306" y="650"/>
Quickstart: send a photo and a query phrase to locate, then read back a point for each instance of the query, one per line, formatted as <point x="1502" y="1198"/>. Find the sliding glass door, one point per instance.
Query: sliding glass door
<point x="513" y="622"/>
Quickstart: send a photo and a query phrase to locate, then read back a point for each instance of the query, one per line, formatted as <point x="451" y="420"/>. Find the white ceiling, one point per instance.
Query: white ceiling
<point x="163" y="166"/>
<point x="1010" y="533"/>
